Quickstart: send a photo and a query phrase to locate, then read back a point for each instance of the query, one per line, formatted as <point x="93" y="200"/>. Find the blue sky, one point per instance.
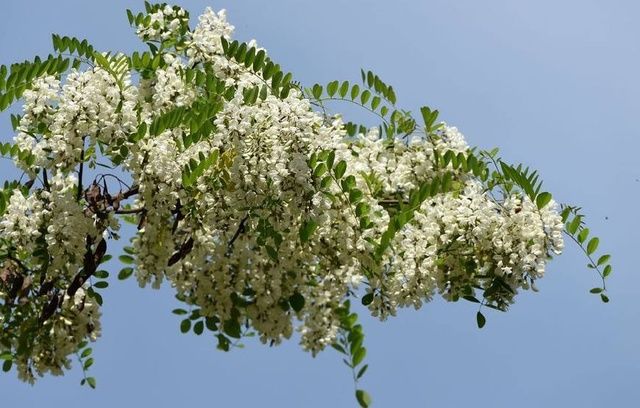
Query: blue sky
<point x="553" y="84"/>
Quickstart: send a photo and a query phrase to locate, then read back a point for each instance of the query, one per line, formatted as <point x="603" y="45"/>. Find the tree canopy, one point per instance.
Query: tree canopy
<point x="266" y="212"/>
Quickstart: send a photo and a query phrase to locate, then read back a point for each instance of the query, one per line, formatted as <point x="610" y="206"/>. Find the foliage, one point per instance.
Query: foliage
<point x="266" y="212"/>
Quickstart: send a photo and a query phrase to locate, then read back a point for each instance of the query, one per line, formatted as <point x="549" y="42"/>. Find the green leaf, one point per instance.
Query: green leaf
<point x="542" y="200"/>
<point x="211" y="323"/>
<point x="348" y="183"/>
<point x="364" y="399"/>
<point x="592" y="246"/>
<point x="331" y="159"/>
<point x="596" y="290"/>
<point x="339" y="348"/>
<point x="285" y="92"/>
<point x="364" y="97"/>
<point x="185" y="326"/>
<point x="359" y="355"/>
<point x="241" y="53"/>
<point x="233" y="47"/>
<point x="604" y="298"/>
<point x="375" y="102"/>
<point x="97" y="297"/>
<point x="249" y="58"/>
<point x="125" y="273"/>
<point x="225" y="45"/>
<point x="607" y="271"/>
<point x="101" y="60"/>
<point x="326" y="181"/>
<point x="307" y="229"/>
<point x="124" y="151"/>
<point x="276" y="80"/>
<point x="6" y="366"/>
<point x="573" y="226"/>
<point x="367" y="299"/>
<point x="88" y="363"/>
<point x="362" y="209"/>
<point x="332" y="88"/>
<point x="86" y="352"/>
<point x="344" y="88"/>
<point x="355" y="195"/>
<point x="287" y="79"/>
<point x="362" y="371"/>
<point x="232" y="328"/>
<point x="101" y="284"/>
<point x="296" y="301"/>
<point x="480" y="320"/>
<point x="604" y="259"/>
<point x="317" y="91"/>
<point x="320" y="170"/>
<point x="198" y="328"/>
<point x="340" y="169"/>
<point x="355" y="91"/>
<point x="370" y="79"/>
<point x="583" y="235"/>
<point x="125" y="259"/>
<point x="272" y="253"/>
<point x="258" y="62"/>
<point x="268" y="70"/>
<point x="223" y="342"/>
<point x="92" y="382"/>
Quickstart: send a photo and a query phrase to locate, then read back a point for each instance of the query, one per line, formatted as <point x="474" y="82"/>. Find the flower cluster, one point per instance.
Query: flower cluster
<point x="259" y="210"/>
<point x="162" y="23"/>
<point x="22" y="221"/>
<point x="77" y="320"/>
<point x="45" y="236"/>
<point x="59" y="121"/>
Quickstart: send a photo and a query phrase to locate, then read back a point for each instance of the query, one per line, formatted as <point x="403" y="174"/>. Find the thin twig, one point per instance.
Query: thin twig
<point x="130" y="211"/>
<point x="239" y="231"/>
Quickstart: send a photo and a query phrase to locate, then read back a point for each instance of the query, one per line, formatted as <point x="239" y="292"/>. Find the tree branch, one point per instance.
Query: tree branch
<point x="91" y="262"/>
<point x="181" y="253"/>
<point x="130" y="211"/>
<point x="45" y="180"/>
<point x="235" y="236"/>
<point x="131" y="192"/>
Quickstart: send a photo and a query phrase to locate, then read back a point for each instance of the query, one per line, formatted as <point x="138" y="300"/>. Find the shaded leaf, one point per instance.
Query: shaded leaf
<point x="367" y="299"/>
<point x="185" y="325"/>
<point x="296" y="301"/>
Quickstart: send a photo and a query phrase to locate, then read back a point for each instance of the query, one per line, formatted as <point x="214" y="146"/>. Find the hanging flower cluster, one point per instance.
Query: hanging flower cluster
<point x="264" y="212"/>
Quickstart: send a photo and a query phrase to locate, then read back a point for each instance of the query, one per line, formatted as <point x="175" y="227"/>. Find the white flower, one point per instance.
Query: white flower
<point x="236" y="219"/>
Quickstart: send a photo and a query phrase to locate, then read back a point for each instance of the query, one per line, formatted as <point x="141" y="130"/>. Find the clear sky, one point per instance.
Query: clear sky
<point x="553" y="83"/>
